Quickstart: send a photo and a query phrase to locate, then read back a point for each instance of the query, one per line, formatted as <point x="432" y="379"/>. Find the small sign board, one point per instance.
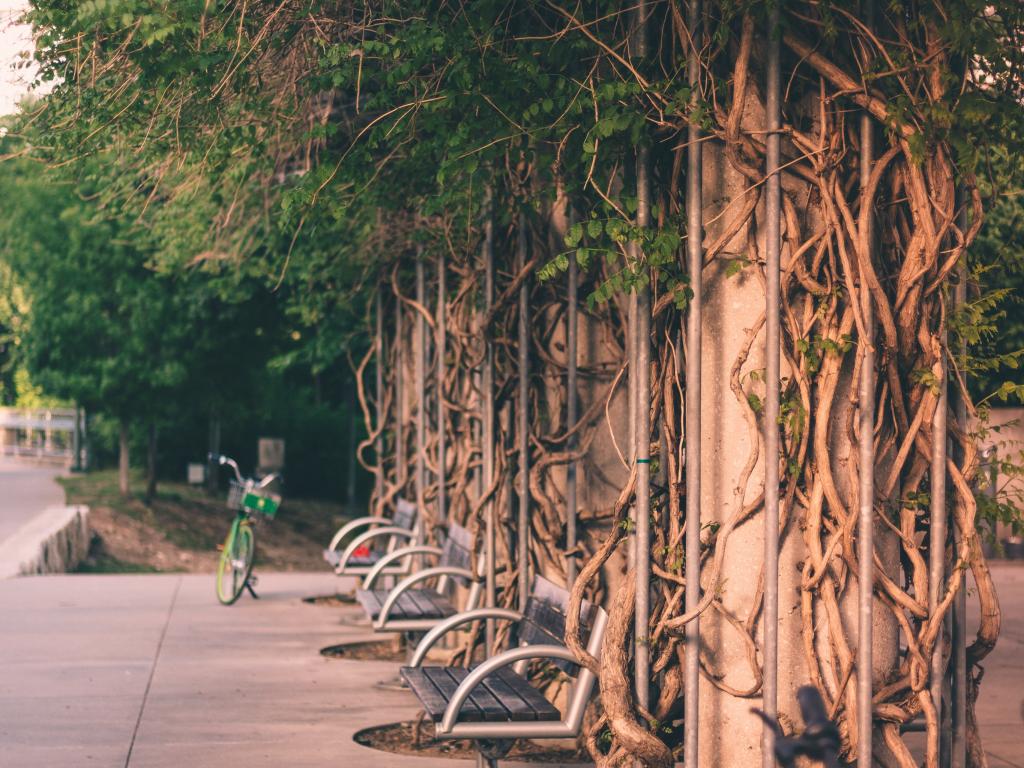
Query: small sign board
<point x="196" y="473"/>
<point x="271" y="454"/>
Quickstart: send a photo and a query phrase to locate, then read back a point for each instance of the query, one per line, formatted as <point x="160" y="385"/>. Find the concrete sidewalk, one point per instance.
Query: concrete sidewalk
<point x="151" y="672"/>
<point x="26" y="489"/>
<point x="1001" y="703"/>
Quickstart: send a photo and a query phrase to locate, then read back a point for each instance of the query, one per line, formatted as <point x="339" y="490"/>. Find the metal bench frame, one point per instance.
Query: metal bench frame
<point x="518" y="658"/>
<point x="379" y="527"/>
<point x="384" y="622"/>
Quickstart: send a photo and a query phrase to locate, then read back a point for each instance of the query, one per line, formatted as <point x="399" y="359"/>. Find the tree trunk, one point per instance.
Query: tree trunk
<point x="122" y="466"/>
<point x="151" y="464"/>
<point x="213" y="447"/>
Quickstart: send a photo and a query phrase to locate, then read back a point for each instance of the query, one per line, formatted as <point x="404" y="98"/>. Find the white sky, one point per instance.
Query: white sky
<point x="15" y="41"/>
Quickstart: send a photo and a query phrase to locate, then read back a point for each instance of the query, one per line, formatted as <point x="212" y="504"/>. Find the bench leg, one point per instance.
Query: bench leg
<point x="397" y="683"/>
<point x="486" y="762"/>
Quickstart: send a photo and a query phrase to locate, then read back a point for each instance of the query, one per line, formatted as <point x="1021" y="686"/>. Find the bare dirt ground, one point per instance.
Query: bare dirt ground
<point x="183" y="526"/>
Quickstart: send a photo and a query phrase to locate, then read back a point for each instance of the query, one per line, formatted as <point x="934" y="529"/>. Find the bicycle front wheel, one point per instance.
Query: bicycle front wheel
<point x="235" y="564"/>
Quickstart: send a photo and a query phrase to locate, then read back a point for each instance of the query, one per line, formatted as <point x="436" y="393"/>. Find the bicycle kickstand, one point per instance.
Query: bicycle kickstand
<point x="248" y="586"/>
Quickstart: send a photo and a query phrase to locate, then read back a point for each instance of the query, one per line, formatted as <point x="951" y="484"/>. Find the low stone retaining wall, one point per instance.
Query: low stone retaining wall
<point x="54" y="541"/>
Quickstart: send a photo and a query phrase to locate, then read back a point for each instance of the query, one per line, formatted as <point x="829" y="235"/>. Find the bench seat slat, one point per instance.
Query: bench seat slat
<point x="413" y="604"/>
<point x="433" y="701"/>
<point x="370" y="600"/>
<point x="491" y="708"/>
<point x="446" y="685"/>
<point x="407" y="607"/>
<point x="521" y="699"/>
<point x="422" y="598"/>
<point x="502" y="697"/>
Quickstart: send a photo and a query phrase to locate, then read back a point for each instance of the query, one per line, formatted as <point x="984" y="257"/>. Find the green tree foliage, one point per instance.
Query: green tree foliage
<point x="99" y="332"/>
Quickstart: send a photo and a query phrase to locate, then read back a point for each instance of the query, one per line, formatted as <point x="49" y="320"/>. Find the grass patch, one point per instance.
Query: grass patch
<point x="181" y="528"/>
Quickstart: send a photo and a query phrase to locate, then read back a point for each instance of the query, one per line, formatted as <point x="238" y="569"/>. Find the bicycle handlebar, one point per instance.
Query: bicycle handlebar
<point x="222" y="460"/>
<point x="267" y="480"/>
<point x="227" y="460"/>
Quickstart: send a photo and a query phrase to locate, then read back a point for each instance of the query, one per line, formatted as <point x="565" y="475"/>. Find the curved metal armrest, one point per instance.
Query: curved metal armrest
<point x="492" y="665"/>
<point x="391" y="557"/>
<point x="352" y="525"/>
<point x="405" y="584"/>
<point x="466" y="617"/>
<point x="369" y="535"/>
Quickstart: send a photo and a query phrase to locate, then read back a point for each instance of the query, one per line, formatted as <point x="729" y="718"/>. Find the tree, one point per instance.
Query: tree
<point x="102" y="331"/>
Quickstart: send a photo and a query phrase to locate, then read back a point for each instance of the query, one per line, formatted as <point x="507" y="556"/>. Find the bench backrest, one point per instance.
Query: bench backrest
<point x="457" y="549"/>
<point x="405" y="517"/>
<point x="405" y="514"/>
<point x="545" y="617"/>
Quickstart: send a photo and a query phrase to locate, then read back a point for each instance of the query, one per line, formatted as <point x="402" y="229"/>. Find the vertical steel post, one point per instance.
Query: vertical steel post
<point x="631" y="394"/>
<point x="401" y="467"/>
<point x="490" y="544"/>
<point x="642" y="445"/>
<point x="442" y="415"/>
<point x="773" y="247"/>
<point x="692" y="427"/>
<point x="938" y="530"/>
<point x="420" y="382"/>
<point x="378" y="443"/>
<point x="572" y="416"/>
<point x="523" y="418"/>
<point x="866" y="460"/>
<point x="959" y="639"/>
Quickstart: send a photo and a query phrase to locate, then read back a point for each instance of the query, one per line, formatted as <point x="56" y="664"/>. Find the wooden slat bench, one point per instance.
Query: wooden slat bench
<point x="383" y="537"/>
<point x="501" y="697"/>
<point x="412" y="608"/>
<point x="493" y="702"/>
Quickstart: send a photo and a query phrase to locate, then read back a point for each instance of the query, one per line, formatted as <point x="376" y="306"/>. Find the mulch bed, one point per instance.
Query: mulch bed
<point x="416" y="738"/>
<point x="375" y="650"/>
<point x="331" y="601"/>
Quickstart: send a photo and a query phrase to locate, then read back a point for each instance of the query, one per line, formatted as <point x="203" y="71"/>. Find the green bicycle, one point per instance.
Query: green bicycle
<point x="247" y="497"/>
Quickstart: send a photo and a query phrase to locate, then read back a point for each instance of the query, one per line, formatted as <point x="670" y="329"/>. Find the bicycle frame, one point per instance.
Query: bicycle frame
<point x="243" y="521"/>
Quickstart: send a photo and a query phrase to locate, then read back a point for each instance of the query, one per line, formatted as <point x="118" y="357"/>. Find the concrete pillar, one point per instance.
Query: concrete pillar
<point x="730" y="735"/>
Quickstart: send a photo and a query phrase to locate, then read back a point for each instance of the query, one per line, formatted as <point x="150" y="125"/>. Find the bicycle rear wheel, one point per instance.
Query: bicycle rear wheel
<point x="236" y="558"/>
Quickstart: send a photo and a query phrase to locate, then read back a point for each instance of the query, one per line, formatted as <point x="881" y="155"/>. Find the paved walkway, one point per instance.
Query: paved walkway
<point x="1001" y="704"/>
<point x="150" y="672"/>
<point x="26" y="490"/>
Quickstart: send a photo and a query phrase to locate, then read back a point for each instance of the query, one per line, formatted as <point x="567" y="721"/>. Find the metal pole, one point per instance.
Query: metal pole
<point x="401" y="469"/>
<point x="959" y="639"/>
<point x="420" y="376"/>
<point x="866" y="460"/>
<point x="692" y="427"/>
<point x="490" y="545"/>
<point x="378" y="444"/>
<point x="523" y="523"/>
<point x="631" y="394"/>
<point x="572" y="416"/>
<point x="773" y="202"/>
<point x="442" y="344"/>
<point x="938" y="532"/>
<point x="641" y="371"/>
